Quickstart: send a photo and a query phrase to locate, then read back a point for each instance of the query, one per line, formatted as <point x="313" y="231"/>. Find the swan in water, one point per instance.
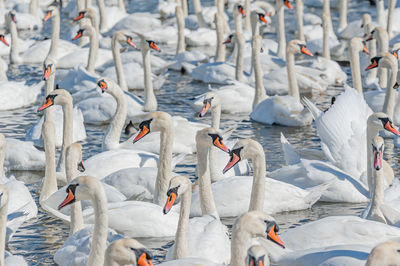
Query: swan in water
<point x="386" y="253"/>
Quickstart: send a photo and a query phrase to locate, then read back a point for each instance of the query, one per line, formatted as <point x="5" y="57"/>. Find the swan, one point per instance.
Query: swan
<point x="30" y="20"/>
<point x="356" y="45"/>
<point x="385" y="253"/>
<point x="367" y="25"/>
<point x="239" y="201"/>
<point x="74" y="250"/>
<point x="193" y="236"/>
<point x="382" y="38"/>
<point x="257" y="255"/>
<point x="55" y="113"/>
<point x="280" y="22"/>
<point x="8" y="259"/>
<point x="283" y="110"/>
<point x="127" y="251"/>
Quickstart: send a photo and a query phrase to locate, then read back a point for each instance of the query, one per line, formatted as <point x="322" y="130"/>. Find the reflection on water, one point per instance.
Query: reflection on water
<point x="38" y="239"/>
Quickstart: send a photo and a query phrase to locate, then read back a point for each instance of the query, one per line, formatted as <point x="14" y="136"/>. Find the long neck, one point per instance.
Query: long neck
<point x="2" y="157"/>
<point x="327" y="10"/>
<point x="149" y="97"/>
<point x="383" y="44"/>
<point x="118" y="63"/>
<point x="355" y="66"/>
<point x="221" y="49"/>
<point x="80" y="5"/>
<point x="237" y="20"/>
<point x="255" y="26"/>
<point x="198" y="11"/>
<point x="99" y="240"/>
<point x="14" y="53"/>
<point x="207" y="203"/>
<point x="103" y="15"/>
<point x="164" y="165"/>
<point x="55" y="35"/>
<point x="180" y="21"/>
<point x="121" y="5"/>
<point x="299" y="19"/>
<point x="378" y="195"/>
<point x="293" y="87"/>
<point x="371" y="46"/>
<point x="388" y="105"/>
<point x="95" y="23"/>
<point x="280" y="16"/>
<point x="67" y="133"/>
<point x="93" y="51"/>
<point x="325" y="51"/>
<point x="380" y="12"/>
<point x="240" y="239"/>
<point x="260" y="94"/>
<point x="216" y="116"/>
<point x="247" y="22"/>
<point x="184" y="5"/>
<point x="371" y="132"/>
<point x="76" y="208"/>
<point x="391" y="7"/>
<point x="33" y="7"/>
<point x="49" y="87"/>
<point x="257" y="191"/>
<point x="113" y="134"/>
<point x="50" y="181"/>
<point x="3" y="224"/>
<point x="181" y="237"/>
<point x="239" y="59"/>
<point x="343" y="14"/>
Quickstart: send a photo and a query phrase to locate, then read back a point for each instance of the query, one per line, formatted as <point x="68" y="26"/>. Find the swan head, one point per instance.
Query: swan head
<point x="386" y="60"/>
<point x="12" y="16"/>
<point x="288" y="4"/>
<point x="297" y="47"/>
<point x="129" y="251"/>
<point x="386" y="253"/>
<point x="58" y="97"/>
<point x="49" y="68"/>
<point x="378" y="146"/>
<point x="81" y="188"/>
<point x="257" y="224"/>
<point x="257" y="256"/>
<point x="123" y="38"/>
<point x="178" y="185"/>
<point x="209" y="137"/>
<point x="74" y="153"/>
<point x="359" y="45"/>
<point x="50" y="12"/>
<point x="3" y="195"/>
<point x="85" y="30"/>
<point x="239" y="9"/>
<point x="379" y="121"/>
<point x="152" y="45"/>
<point x="374" y="62"/>
<point x="86" y="13"/>
<point x="243" y="149"/>
<point x="211" y="100"/>
<point x="154" y="122"/>
<point x="3" y="40"/>
<point x="107" y="85"/>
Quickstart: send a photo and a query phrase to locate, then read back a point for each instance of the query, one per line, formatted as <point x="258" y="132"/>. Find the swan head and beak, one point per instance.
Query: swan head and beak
<point x="206" y="106"/>
<point x="304" y="50"/>
<point x="388" y="125"/>
<point x="377" y="149"/>
<point x="365" y="50"/>
<point x="81" y="167"/>
<point x="144" y="257"/>
<point x="144" y="129"/>
<point x="243" y="149"/>
<point x="288" y="4"/>
<point x="102" y="85"/>
<point x="48" y="15"/>
<point x="256" y="256"/>
<point x="47" y="71"/>
<point x="371" y="36"/>
<point x="153" y="45"/>
<point x="155" y="122"/>
<point x="229" y="39"/>
<point x="3" y="40"/>
<point x="217" y="142"/>
<point x="235" y="159"/>
<point x="49" y="102"/>
<point x="241" y="10"/>
<point x="80" y="16"/>
<point x="13" y="16"/>
<point x="211" y="100"/>
<point x="178" y="185"/>
<point x="130" y="42"/>
<point x="374" y="63"/>
<point x="262" y="17"/>
<point x="79" y="34"/>
<point x="271" y="233"/>
<point x="128" y="251"/>
<point x="71" y="195"/>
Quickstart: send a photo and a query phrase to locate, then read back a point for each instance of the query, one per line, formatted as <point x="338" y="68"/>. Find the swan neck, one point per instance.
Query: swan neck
<point x="239" y="58"/>
<point x="299" y="19"/>
<point x="325" y="51"/>
<point x="383" y="43"/>
<point x="103" y="15"/>
<point x="237" y="21"/>
<point x="221" y="49"/>
<point x="260" y="93"/>
<point x="389" y="103"/>
<point x="2" y="157"/>
<point x="198" y="11"/>
<point x="391" y="7"/>
<point x="116" y="46"/>
<point x="240" y="239"/>
<point x="257" y="191"/>
<point x="93" y="51"/>
<point x="342" y="14"/>
<point x="33" y="7"/>
<point x="67" y="132"/>
<point x="355" y="66"/>
<point x="55" y="34"/>
<point x="121" y="6"/>
<point x="3" y="229"/>
<point x="280" y="16"/>
<point x="50" y="181"/>
<point x="293" y="86"/>
<point x="14" y="52"/>
<point x="184" y="5"/>
<point x="378" y="195"/>
<point x="180" y="20"/>
<point x="181" y="238"/>
<point x="247" y="21"/>
<point x="216" y="116"/>
<point x="371" y="132"/>
<point x="150" y="98"/>
<point x="380" y="12"/>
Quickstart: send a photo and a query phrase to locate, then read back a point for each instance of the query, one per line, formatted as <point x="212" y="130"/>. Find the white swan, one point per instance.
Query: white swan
<point x="127" y="251"/>
<point x="382" y="38"/>
<point x="232" y="195"/>
<point x="384" y="253"/>
<point x="6" y="258"/>
<point x="356" y="45"/>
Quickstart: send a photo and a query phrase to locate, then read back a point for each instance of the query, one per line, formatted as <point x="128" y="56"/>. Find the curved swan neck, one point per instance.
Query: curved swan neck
<point x="255" y="26"/>
<point x="380" y="12"/>
<point x="325" y="25"/>
<point x="150" y="98"/>
<point x="388" y="105"/>
<point x="239" y="58"/>
<point x="50" y="181"/>
<point x="103" y="15"/>
<point x="164" y="164"/>
<point x="184" y="5"/>
<point x="181" y="237"/>
<point x="293" y="86"/>
<point x="343" y="15"/>
<point x="260" y="94"/>
<point x="280" y="16"/>
<point x="93" y="50"/>
<point x="299" y="19"/>
<point x="55" y="34"/>
<point x="355" y="64"/>
<point x="237" y="20"/>
<point x="198" y="11"/>
<point x="116" y="46"/>
<point x="3" y="225"/>
<point x="113" y="133"/>
<point x="2" y="156"/>
<point x="207" y="203"/>
<point x="327" y="10"/>
<point x="257" y="191"/>
<point x="180" y="21"/>
<point x="14" y="52"/>
<point x="391" y="7"/>
<point x="33" y="7"/>
<point x="221" y="49"/>
<point x="99" y="240"/>
<point x="378" y="195"/>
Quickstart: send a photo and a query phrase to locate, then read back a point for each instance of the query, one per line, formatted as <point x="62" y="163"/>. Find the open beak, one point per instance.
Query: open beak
<point x="305" y="51"/>
<point x="48" y="16"/>
<point x="372" y="65"/>
<point x="154" y="46"/>
<point x="47" y="104"/>
<point x="377" y="159"/>
<point x="232" y="162"/>
<point x="389" y="127"/>
<point x="206" y="106"/>
<point x="68" y="200"/>
<point x="274" y="237"/>
<point x="81" y="167"/>
<point x="130" y="42"/>
<point x="144" y="261"/>
<point x="365" y="50"/>
<point x="77" y="36"/>
<point x="288" y="4"/>
<point x="219" y="144"/>
<point x="143" y="132"/>
<point x="3" y="40"/>
<point x="170" y="202"/>
<point x="103" y="86"/>
<point x="46" y="73"/>
<point x="80" y="16"/>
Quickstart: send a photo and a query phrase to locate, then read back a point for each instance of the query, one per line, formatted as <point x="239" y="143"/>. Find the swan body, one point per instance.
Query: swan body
<point x="80" y="56"/>
<point x="16" y="94"/>
<point x="22" y="155"/>
<point x="146" y="21"/>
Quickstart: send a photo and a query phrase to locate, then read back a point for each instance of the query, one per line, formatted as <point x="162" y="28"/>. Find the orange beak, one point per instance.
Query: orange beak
<point x="372" y="65"/>
<point x="377" y="160"/>
<point x="395" y="54"/>
<point x="227" y="40"/>
<point x="370" y="37"/>
<point x="154" y="46"/>
<point x="143" y="261"/>
<point x="77" y="36"/>
<point x="365" y="50"/>
<point x="48" y="16"/>
<point x="130" y="42"/>
<point x="143" y="132"/>
<point x="288" y="4"/>
<point x="305" y="51"/>
<point x="170" y="201"/>
<point x="206" y="106"/>
<point x="389" y="127"/>
<point x="219" y="144"/>
<point x="81" y="167"/>
<point x="47" y="104"/>
<point x="274" y="237"/>
<point x="68" y="200"/>
<point x="242" y="11"/>
<point x="79" y="17"/>
<point x="262" y="18"/>
<point x="46" y="74"/>
<point x="232" y="162"/>
<point x="4" y="40"/>
<point x="103" y="86"/>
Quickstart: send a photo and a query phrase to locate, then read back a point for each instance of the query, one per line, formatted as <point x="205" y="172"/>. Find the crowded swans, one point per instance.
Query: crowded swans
<point x="261" y="190"/>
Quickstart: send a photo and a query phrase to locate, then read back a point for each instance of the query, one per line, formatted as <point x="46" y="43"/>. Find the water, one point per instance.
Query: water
<point x="38" y="239"/>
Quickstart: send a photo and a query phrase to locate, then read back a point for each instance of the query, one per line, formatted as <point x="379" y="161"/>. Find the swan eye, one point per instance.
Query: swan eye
<point x="145" y="123"/>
